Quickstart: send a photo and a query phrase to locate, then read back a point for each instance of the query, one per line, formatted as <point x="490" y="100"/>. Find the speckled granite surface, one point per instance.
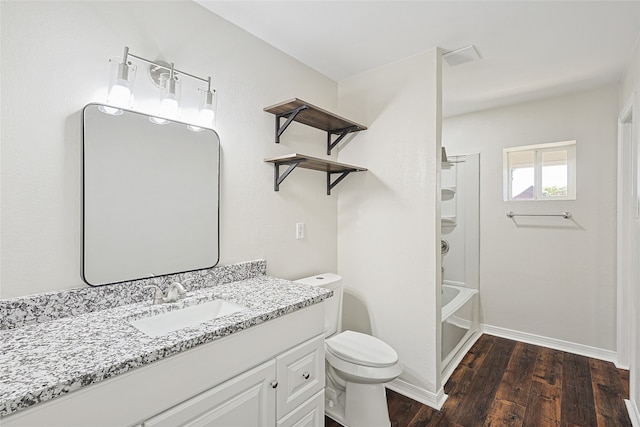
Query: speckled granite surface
<point x="41" y="361"/>
<point x="18" y="312"/>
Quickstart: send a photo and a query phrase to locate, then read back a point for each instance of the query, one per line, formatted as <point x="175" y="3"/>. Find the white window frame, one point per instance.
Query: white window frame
<point x="539" y="149"/>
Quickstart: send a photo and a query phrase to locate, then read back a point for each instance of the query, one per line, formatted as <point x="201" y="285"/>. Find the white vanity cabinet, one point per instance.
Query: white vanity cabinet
<point x="289" y="388"/>
<point x="310" y="414"/>
<point x="300" y="375"/>
<point x="246" y="400"/>
<point x="228" y="382"/>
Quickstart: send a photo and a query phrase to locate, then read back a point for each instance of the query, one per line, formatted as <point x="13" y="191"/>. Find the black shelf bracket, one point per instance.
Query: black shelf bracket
<point x="343" y="175"/>
<point x="291" y="115"/>
<point x="341" y="134"/>
<point x="277" y="178"/>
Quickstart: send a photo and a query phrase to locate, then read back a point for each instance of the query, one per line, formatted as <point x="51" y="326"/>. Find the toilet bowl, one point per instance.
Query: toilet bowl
<point x="358" y="366"/>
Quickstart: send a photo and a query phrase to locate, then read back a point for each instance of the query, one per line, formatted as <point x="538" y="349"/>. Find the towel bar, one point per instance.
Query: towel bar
<point x="565" y="215"/>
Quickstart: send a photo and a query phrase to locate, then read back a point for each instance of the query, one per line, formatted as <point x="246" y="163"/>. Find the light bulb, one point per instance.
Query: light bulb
<point x="207" y="114"/>
<point x="169" y="106"/>
<point x="120" y="94"/>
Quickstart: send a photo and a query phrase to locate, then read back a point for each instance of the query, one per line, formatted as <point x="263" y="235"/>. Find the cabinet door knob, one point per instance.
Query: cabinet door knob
<point x="274" y="384"/>
<point x="306" y="375"/>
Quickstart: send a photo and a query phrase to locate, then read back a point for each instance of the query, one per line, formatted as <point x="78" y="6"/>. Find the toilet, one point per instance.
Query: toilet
<point x="357" y="365"/>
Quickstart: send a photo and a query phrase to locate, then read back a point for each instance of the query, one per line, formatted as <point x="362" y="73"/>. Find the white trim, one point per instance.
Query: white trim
<point x="569" y="347"/>
<point x="634" y="414"/>
<point x="540" y="146"/>
<point x="472" y="222"/>
<point x="624" y="178"/>
<point x="434" y="400"/>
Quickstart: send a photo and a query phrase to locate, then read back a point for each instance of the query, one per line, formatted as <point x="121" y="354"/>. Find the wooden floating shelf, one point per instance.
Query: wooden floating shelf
<point x="310" y="115"/>
<point x="313" y="163"/>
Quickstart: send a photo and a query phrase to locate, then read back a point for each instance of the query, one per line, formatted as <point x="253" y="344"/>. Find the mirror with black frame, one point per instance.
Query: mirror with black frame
<point x="150" y="196"/>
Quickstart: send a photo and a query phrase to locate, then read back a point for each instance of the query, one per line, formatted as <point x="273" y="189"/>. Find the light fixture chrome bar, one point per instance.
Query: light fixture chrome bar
<point x="565" y="215"/>
<point x="208" y="93"/>
<point x="126" y="54"/>
<point x="159" y="65"/>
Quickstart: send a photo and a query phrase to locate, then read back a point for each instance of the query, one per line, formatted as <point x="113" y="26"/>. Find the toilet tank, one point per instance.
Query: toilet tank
<point x="332" y="305"/>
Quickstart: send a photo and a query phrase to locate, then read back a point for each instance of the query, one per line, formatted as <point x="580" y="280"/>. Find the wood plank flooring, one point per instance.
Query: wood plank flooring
<point x="508" y="383"/>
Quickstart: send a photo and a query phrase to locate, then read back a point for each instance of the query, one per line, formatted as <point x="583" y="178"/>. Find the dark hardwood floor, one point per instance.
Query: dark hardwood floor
<point x="508" y="383"/>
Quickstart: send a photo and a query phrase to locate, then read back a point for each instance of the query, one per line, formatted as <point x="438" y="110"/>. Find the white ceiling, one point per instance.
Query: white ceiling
<point x="529" y="49"/>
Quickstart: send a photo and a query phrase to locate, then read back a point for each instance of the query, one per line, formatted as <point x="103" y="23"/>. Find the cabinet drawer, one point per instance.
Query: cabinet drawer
<point x="300" y="374"/>
<point x="309" y="414"/>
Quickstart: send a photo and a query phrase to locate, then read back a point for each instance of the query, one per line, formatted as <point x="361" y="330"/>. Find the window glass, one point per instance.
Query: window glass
<point x="540" y="172"/>
<point x="521" y="165"/>
<point x="554" y="173"/>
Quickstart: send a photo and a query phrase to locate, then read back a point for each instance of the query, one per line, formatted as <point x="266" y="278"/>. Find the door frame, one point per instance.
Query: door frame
<point x="623" y="242"/>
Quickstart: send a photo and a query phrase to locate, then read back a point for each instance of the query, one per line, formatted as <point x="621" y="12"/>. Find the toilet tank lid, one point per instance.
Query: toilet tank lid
<point x="324" y="279"/>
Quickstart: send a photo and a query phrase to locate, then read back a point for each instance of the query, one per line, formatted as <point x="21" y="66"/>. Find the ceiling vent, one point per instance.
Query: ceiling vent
<point x="460" y="56"/>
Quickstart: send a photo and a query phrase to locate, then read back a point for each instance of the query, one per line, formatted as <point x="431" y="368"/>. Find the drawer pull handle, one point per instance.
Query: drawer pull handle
<point x="274" y="384"/>
<point x="306" y="375"/>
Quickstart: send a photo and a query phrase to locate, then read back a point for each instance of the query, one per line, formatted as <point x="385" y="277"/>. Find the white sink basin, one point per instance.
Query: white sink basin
<point x="164" y="323"/>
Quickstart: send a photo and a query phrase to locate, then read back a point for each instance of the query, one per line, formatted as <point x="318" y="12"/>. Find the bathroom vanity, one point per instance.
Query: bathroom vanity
<point x="262" y="366"/>
<point x="224" y="346"/>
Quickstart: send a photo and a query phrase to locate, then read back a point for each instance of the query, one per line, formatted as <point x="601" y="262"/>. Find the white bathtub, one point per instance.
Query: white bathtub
<point x="458" y="326"/>
<point x="454" y="297"/>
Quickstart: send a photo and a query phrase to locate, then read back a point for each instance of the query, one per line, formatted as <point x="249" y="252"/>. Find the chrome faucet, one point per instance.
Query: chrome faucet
<point x="175" y="291"/>
<point x="158" y="295"/>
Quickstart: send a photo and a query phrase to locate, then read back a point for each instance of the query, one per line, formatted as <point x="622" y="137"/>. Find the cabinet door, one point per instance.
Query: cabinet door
<point x="300" y="374"/>
<point x="244" y="401"/>
<point x="309" y="414"/>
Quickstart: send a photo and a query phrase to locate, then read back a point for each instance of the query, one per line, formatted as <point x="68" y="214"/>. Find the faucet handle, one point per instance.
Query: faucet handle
<point x="175" y="291"/>
<point x="158" y="295"/>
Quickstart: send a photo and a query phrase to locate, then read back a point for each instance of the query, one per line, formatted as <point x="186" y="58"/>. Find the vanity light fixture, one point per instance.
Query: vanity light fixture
<point x="169" y="95"/>
<point x="168" y="79"/>
<point x="208" y="107"/>
<point x="121" y="81"/>
<point x="207" y="114"/>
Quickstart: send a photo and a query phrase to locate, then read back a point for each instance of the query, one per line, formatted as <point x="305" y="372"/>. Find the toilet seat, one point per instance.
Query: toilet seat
<point x="362" y="349"/>
<point x="361" y="358"/>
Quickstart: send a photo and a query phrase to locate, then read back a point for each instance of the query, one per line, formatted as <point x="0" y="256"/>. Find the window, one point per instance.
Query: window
<point x="540" y="172"/>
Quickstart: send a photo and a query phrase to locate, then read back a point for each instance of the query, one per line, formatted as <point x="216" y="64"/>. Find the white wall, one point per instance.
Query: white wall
<point x="629" y="232"/>
<point x="631" y="77"/>
<point x="548" y="276"/>
<point x="388" y="217"/>
<point x="55" y="60"/>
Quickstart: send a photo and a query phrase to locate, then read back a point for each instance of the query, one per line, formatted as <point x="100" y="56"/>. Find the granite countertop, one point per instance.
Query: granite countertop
<point x="41" y="361"/>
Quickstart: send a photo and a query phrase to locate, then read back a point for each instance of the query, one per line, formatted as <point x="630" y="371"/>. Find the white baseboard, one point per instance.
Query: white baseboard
<point x="621" y="366"/>
<point x="632" y="408"/>
<point x="434" y="400"/>
<point x="556" y="344"/>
